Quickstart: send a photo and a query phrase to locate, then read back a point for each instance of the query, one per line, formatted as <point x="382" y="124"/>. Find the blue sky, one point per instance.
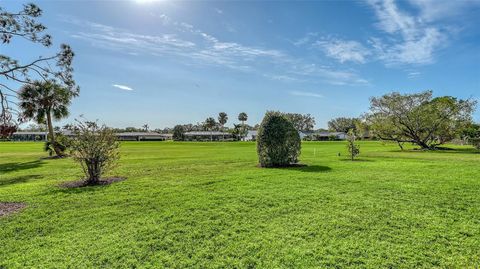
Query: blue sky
<point x="168" y="62"/>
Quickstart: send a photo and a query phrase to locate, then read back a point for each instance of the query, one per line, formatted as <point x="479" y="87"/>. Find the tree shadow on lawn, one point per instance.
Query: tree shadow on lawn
<point x="78" y="190"/>
<point x="441" y="150"/>
<point x="16" y="180"/>
<point x="307" y="168"/>
<point x="456" y="151"/>
<point x="357" y="160"/>
<point x="13" y="167"/>
<point x="79" y="186"/>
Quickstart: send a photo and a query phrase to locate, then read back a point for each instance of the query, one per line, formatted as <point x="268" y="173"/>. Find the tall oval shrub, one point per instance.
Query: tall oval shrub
<point x="278" y="142"/>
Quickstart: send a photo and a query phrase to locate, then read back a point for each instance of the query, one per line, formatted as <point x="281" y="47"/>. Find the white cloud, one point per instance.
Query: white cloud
<point x="306" y="39"/>
<point x="413" y="74"/>
<point x="411" y="40"/>
<point x="192" y="46"/>
<point x="306" y="94"/>
<point x="432" y="10"/>
<point x="219" y="11"/>
<point x="122" y="87"/>
<point x="282" y="78"/>
<point x="343" y="50"/>
<point x="412" y="33"/>
<point x="328" y="74"/>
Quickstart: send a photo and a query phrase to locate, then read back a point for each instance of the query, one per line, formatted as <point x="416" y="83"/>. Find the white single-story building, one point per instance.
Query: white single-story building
<point x="324" y="136"/>
<point x="207" y="136"/>
<point x="252" y="135"/>
<point x="126" y="136"/>
<point x="143" y="136"/>
<point x="29" y="136"/>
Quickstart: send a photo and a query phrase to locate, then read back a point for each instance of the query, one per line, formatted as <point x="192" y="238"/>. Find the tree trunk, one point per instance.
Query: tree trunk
<point x="243" y="131"/>
<point x="51" y="134"/>
<point x="94" y="172"/>
<point x="423" y="145"/>
<point x="353" y="146"/>
<point x="400" y="145"/>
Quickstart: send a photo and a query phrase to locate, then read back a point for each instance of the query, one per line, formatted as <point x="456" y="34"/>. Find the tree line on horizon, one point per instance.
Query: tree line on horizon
<point x="48" y="88"/>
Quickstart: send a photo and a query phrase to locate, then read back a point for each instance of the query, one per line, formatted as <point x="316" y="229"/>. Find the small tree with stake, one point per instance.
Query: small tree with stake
<point x="353" y="148"/>
<point x="95" y="148"/>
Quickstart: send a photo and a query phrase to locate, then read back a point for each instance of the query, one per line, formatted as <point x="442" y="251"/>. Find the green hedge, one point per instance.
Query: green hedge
<point x="278" y="142"/>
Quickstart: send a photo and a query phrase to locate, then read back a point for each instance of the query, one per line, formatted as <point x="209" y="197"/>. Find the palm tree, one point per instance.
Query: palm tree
<point x="145" y="127"/>
<point x="209" y="124"/>
<point x="43" y="100"/>
<point x="222" y="119"/>
<point x="243" y="118"/>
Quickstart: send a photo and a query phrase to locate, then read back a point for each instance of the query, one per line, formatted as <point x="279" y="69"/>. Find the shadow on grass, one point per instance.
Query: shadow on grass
<point x="16" y="180"/>
<point x="13" y="167"/>
<point x="86" y="189"/>
<point x="79" y="186"/>
<point x="456" y="151"/>
<point x="308" y="168"/>
<point x="357" y="160"/>
<point x="441" y="150"/>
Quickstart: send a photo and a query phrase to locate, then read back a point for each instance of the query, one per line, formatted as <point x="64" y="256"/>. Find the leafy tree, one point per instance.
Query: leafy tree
<point x="278" y="142"/>
<point x="303" y="123"/>
<point x="62" y="142"/>
<point x="33" y="127"/>
<point x="56" y="68"/>
<point x="178" y="133"/>
<point x="243" y="117"/>
<point x="471" y="130"/>
<point x="419" y="118"/>
<point x="471" y="133"/>
<point x="210" y="124"/>
<point x="353" y="148"/>
<point x="95" y="148"/>
<point x="43" y="102"/>
<point x="7" y="124"/>
<point x="239" y="131"/>
<point x="343" y="124"/>
<point x="222" y="120"/>
<point x="131" y="129"/>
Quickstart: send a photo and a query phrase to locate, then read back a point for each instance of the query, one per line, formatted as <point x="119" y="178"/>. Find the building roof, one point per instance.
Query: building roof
<point x="205" y="133"/>
<point x="328" y="134"/>
<point x="29" y="133"/>
<point x="117" y="134"/>
<point x="143" y="134"/>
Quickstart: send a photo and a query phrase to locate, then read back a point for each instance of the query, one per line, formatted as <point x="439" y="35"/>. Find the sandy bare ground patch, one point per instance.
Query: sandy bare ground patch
<point x="7" y="208"/>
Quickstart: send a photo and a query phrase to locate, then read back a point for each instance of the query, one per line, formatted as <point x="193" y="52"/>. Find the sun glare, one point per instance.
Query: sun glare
<point x="146" y="1"/>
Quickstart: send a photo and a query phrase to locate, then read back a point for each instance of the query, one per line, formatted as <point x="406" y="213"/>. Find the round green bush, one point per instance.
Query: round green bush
<point x="278" y="142"/>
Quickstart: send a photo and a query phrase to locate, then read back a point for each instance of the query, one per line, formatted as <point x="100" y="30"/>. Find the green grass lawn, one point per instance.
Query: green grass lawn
<point x="207" y="205"/>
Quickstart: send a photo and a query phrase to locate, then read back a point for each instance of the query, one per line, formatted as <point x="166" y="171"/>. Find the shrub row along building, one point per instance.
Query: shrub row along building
<point x="189" y="136"/>
<point x="128" y="136"/>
